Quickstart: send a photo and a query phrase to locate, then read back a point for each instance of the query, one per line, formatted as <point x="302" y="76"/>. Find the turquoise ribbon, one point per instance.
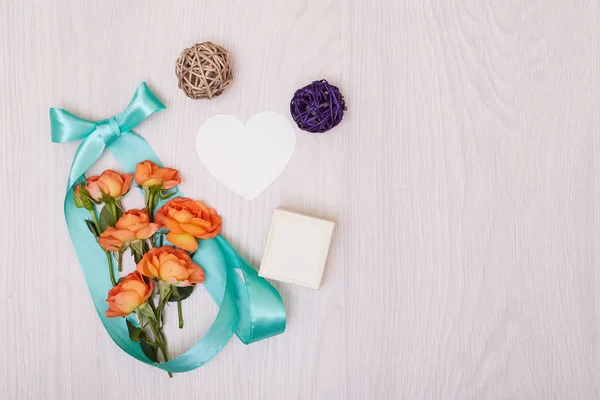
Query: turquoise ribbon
<point x="248" y="305"/>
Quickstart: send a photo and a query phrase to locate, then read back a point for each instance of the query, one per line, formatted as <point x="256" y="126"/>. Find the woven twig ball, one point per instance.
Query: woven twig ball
<point x="203" y="70"/>
<point x="317" y="107"/>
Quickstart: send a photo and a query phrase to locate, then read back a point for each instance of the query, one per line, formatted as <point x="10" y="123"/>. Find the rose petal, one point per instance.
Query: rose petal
<point x="143" y="268"/>
<point x="193" y="229"/>
<point x="134" y="285"/>
<point x="126" y="302"/>
<point x="196" y="274"/>
<point x="168" y="185"/>
<point x="94" y="190"/>
<point x="123" y="235"/>
<point x="114" y="314"/>
<point x="129" y="221"/>
<point x="109" y="243"/>
<point x="183" y="240"/>
<point x="142" y="172"/>
<point x="171" y="224"/>
<point x="210" y="235"/>
<point x="152" y="181"/>
<point x="127" y="178"/>
<point x="113" y="183"/>
<point x="182" y="216"/>
<point x="172" y="270"/>
<point x="182" y="255"/>
<point x="146" y="232"/>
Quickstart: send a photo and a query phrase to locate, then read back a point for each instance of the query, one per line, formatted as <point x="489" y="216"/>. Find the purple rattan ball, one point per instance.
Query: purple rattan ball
<point x="317" y="107"/>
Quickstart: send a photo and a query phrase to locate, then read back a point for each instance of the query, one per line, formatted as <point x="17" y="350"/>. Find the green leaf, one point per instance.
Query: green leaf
<point x="92" y="227"/>
<point x="147" y="311"/>
<point x="120" y="209"/>
<point x="149" y="351"/>
<point x="105" y="197"/>
<point x="181" y="293"/>
<point x="166" y="195"/>
<point x="137" y="246"/>
<point x="164" y="290"/>
<point x="106" y="218"/>
<point x="151" y="344"/>
<point x="136" y="334"/>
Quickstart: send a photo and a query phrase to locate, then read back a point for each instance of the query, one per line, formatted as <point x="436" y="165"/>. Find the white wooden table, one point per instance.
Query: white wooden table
<point x="464" y="181"/>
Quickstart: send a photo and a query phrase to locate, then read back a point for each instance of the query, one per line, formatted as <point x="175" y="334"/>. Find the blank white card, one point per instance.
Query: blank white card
<point x="296" y="249"/>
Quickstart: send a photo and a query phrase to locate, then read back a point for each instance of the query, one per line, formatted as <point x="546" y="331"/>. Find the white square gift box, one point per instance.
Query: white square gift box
<point x="296" y="249"/>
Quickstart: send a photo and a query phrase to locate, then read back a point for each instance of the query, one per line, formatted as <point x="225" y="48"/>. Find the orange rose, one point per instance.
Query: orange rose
<point x="171" y="265"/>
<point x="149" y="174"/>
<point x="137" y="221"/>
<point x="134" y="224"/>
<point x="128" y="295"/>
<point x="111" y="183"/>
<point x="186" y="220"/>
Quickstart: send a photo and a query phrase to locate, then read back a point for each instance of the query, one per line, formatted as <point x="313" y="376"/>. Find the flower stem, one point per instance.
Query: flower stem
<point x="113" y="208"/>
<point x="163" y="302"/>
<point x="159" y="339"/>
<point x="111" y="269"/>
<point x="180" y="314"/>
<point x="151" y="302"/>
<point x="159" y="336"/>
<point x="108" y="257"/>
<point x="158" y="315"/>
<point x="95" y="219"/>
<point x="150" y="205"/>
<point x="120" y="261"/>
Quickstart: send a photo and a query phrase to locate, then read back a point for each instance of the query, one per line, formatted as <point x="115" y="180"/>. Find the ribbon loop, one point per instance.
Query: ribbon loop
<point x="66" y="127"/>
<point x="249" y="307"/>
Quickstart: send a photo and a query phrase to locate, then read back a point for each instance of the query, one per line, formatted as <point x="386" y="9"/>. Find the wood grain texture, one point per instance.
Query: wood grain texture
<point x="463" y="180"/>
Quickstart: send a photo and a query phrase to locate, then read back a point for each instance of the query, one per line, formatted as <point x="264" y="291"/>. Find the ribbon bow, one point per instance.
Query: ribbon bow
<point x="66" y="127"/>
<point x="249" y="306"/>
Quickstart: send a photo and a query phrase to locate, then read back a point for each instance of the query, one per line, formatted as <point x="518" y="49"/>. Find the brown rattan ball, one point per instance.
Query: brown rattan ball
<point x="203" y="70"/>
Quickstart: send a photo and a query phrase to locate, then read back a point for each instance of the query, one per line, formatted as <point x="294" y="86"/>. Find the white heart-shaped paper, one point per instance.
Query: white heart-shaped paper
<point x="246" y="158"/>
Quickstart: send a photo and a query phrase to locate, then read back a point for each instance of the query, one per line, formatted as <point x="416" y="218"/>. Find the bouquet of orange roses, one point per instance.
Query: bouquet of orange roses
<point x="164" y="274"/>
